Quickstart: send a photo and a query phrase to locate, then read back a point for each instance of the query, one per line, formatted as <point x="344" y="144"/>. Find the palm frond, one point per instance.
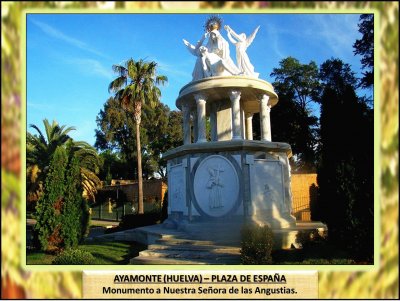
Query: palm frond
<point x="121" y="70"/>
<point x="161" y="79"/>
<point x="117" y="84"/>
<point x="41" y="137"/>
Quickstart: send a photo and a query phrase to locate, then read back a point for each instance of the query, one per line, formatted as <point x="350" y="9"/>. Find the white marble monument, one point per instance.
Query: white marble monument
<point x="230" y="178"/>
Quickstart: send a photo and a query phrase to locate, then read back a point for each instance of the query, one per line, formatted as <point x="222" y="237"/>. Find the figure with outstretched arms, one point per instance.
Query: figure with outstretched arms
<point x="200" y="68"/>
<point x="242" y="43"/>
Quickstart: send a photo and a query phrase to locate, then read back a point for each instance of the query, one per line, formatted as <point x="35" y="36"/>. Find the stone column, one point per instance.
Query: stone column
<point x="194" y="115"/>
<point x="201" y="117"/>
<point x="186" y="124"/>
<point x="265" y="122"/>
<point x="235" y="106"/>
<point x="213" y="122"/>
<point x="249" y="126"/>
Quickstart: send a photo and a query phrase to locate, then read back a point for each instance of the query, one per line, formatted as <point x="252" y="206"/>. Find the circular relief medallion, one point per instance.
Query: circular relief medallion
<point x="216" y="186"/>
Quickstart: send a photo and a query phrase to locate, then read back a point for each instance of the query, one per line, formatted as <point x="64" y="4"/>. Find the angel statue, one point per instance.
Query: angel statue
<point x="242" y="43"/>
<point x="200" y="67"/>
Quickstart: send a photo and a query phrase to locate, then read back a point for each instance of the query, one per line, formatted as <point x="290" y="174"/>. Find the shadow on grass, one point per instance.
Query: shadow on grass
<point x="105" y="253"/>
<point x="320" y="253"/>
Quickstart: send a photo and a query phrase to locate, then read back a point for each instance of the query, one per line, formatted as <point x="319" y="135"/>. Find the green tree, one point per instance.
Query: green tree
<point x="292" y="118"/>
<point x="113" y="166"/>
<point x="365" y="48"/>
<point x="40" y="150"/>
<point x="345" y="171"/>
<point x="75" y="211"/>
<point x="48" y="209"/>
<point x="165" y="134"/>
<point x="62" y="213"/>
<point x="135" y="85"/>
<point x="161" y="130"/>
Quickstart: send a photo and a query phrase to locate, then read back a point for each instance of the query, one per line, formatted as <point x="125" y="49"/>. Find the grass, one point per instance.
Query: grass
<point x="105" y="253"/>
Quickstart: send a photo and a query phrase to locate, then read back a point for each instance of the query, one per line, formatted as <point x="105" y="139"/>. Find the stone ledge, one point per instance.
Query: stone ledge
<point x="229" y="145"/>
<point x="216" y="89"/>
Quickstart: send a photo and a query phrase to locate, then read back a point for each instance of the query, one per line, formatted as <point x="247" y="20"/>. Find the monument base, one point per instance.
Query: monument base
<point x="215" y="187"/>
<point x="224" y="233"/>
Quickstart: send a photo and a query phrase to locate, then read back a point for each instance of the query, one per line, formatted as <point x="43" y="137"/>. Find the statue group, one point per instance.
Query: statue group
<point x="214" y="59"/>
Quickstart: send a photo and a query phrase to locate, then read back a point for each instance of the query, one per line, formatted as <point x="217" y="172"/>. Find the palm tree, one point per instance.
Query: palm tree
<point x="135" y="85"/>
<point x="39" y="152"/>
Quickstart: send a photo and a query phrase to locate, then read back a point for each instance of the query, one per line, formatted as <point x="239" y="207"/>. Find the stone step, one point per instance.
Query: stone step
<point x="184" y="261"/>
<point x="182" y="242"/>
<point x="177" y="253"/>
<point x="164" y="261"/>
<point x="187" y="247"/>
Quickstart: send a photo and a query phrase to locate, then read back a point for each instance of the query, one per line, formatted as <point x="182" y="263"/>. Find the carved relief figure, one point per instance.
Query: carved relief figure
<point x="214" y="184"/>
<point x="242" y="43"/>
<point x="268" y="196"/>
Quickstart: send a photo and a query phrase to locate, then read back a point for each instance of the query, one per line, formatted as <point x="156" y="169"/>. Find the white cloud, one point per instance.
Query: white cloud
<point x="273" y="40"/>
<point x="339" y="34"/>
<point x="91" y="66"/>
<point x="57" y="34"/>
<point x="39" y="106"/>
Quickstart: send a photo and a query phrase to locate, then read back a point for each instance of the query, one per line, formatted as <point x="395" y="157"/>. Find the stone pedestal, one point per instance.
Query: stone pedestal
<point x="231" y="179"/>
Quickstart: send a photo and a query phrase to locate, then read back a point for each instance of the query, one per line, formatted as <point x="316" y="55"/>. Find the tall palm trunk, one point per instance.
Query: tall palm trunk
<point x="137" y="114"/>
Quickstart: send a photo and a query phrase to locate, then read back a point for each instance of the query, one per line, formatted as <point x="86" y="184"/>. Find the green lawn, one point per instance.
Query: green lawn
<point x="108" y="252"/>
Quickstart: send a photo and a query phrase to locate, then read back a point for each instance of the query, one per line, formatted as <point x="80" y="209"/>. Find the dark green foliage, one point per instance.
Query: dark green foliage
<point x="164" y="132"/>
<point x="49" y="206"/>
<point x="365" y="48"/>
<point x="346" y="169"/>
<point x="75" y="213"/>
<point x="161" y="130"/>
<point x="292" y="119"/>
<point x="256" y="244"/>
<point x="113" y="167"/>
<point x="62" y="213"/>
<point x="74" y="256"/>
<point x="40" y="150"/>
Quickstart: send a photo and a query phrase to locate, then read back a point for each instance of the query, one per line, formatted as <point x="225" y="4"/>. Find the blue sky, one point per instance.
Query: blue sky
<point x="69" y="56"/>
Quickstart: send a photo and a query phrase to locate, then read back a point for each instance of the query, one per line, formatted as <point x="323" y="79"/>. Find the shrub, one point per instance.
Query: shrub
<point x="256" y="244"/>
<point x="309" y="238"/>
<point x="62" y="213"/>
<point x="75" y="211"/>
<point x="47" y="228"/>
<point x="74" y="256"/>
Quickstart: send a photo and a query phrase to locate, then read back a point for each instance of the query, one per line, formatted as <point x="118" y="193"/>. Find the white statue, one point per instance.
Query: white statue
<point x="241" y="43"/>
<point x="198" y="70"/>
<point x="214" y="58"/>
<point x="213" y="65"/>
<point x="218" y="45"/>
